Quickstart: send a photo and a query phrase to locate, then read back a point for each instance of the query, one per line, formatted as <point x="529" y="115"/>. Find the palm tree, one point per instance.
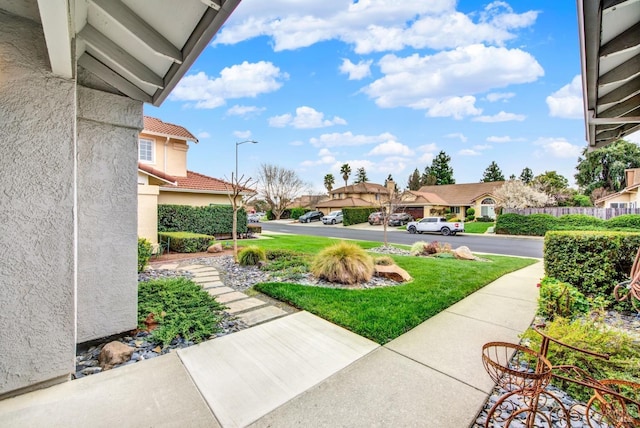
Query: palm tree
<point x="328" y="182"/>
<point x="345" y="170"/>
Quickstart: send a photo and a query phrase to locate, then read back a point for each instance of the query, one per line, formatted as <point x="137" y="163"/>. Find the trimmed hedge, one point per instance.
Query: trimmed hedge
<point x="187" y="242"/>
<point x="593" y="262"/>
<point x="539" y="224"/>
<point x="352" y="216"/>
<point x="297" y="212"/>
<point x="211" y="220"/>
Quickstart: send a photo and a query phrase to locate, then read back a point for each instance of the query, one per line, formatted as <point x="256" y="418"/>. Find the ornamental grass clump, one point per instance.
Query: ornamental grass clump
<point x="251" y="256"/>
<point x="344" y="263"/>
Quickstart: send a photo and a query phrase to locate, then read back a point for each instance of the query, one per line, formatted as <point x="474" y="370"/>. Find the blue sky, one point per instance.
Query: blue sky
<point x="386" y="85"/>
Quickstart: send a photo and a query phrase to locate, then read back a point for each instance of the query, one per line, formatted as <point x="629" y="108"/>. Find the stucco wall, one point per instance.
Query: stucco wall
<point x="193" y="199"/>
<point x="36" y="211"/>
<point x="148" y="212"/>
<point x="107" y="135"/>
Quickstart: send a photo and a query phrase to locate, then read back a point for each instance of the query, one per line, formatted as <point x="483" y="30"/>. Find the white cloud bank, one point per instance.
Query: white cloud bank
<point x="567" y="101"/>
<point x="305" y="118"/>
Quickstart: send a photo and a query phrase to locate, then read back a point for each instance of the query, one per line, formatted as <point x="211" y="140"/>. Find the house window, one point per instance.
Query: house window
<point x="377" y="196"/>
<point x="145" y="150"/>
<point x="487" y="208"/>
<point x="455" y="210"/>
<point x="618" y="205"/>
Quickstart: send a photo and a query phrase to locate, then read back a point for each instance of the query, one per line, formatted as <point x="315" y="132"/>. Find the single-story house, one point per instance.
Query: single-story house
<point x="627" y="197"/>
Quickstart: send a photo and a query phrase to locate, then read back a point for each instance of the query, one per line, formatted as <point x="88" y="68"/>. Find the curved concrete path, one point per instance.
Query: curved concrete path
<point x="300" y="370"/>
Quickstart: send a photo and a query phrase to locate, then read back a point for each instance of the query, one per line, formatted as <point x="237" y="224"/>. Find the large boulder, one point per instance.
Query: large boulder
<point x="114" y="353"/>
<point x="393" y="272"/>
<point x="463" y="253"/>
<point x="215" y="248"/>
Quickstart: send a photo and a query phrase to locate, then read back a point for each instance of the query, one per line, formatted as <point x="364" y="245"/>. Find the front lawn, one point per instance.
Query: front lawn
<point x="383" y="314"/>
<point x="477" y="226"/>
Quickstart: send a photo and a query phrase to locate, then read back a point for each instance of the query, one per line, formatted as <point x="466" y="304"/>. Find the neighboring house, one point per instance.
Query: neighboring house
<point x="357" y="195"/>
<point x="456" y="198"/>
<point x="308" y="201"/>
<point x="627" y="197"/>
<point x="163" y="177"/>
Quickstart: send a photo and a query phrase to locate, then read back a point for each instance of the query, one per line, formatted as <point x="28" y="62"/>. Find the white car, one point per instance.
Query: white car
<point x="435" y="224"/>
<point x="333" y="217"/>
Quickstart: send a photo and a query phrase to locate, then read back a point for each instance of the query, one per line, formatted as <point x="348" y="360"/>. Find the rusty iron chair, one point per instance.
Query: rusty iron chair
<point x="630" y="289"/>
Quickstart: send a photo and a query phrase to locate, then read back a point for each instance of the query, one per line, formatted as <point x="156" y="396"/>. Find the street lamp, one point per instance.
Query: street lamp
<point x="237" y="144"/>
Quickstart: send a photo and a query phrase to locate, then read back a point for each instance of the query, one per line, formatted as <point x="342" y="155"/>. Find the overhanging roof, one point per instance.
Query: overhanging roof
<point x="142" y="48"/>
<point x="610" y="54"/>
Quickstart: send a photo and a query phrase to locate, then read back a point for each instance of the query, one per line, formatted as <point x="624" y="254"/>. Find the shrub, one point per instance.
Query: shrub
<point x="210" y="220"/>
<point x="470" y="211"/>
<point x="180" y="307"/>
<point x="357" y="215"/>
<point x="516" y="224"/>
<point x="485" y="219"/>
<point x="629" y="221"/>
<point x="144" y="253"/>
<point x="469" y="218"/>
<point x="296" y="212"/>
<point x="560" y="299"/>
<point x="418" y="248"/>
<point x="384" y="261"/>
<point x="186" y="242"/>
<point x="588" y="334"/>
<point x="344" y="263"/>
<point x="421" y="248"/>
<point x="593" y="262"/>
<point x="251" y="256"/>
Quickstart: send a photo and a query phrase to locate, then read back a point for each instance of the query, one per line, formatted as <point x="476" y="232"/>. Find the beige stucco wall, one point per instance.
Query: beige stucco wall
<point x="148" y="212"/>
<point x="37" y="282"/>
<point x="170" y="155"/>
<point x="625" y="197"/>
<point x="193" y="199"/>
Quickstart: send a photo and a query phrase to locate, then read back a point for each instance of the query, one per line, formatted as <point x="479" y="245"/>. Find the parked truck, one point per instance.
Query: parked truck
<point x="435" y="224"/>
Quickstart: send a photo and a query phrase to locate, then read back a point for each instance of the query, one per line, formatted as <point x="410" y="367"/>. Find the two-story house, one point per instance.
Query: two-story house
<point x="627" y="197"/>
<point x="163" y="177"/>
<point x="357" y="195"/>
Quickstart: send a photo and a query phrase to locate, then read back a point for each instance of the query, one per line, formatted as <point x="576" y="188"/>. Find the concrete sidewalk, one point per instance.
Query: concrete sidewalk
<point x="300" y="370"/>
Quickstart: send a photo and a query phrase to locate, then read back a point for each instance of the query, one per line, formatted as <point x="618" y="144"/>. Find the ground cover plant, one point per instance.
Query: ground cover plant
<point x="180" y="307"/>
<point x="382" y="314"/>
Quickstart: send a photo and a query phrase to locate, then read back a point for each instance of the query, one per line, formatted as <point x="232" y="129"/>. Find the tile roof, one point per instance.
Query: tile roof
<point x="156" y="173"/>
<point x="461" y="194"/>
<point x="199" y="182"/>
<point x="417" y="197"/>
<point x="347" y="202"/>
<point x="361" y="188"/>
<point x="156" y="126"/>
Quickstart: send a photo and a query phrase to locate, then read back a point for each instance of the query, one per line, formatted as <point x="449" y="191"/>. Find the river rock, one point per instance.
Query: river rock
<point x="463" y="253"/>
<point x="215" y="248"/>
<point x="393" y="272"/>
<point x="114" y="353"/>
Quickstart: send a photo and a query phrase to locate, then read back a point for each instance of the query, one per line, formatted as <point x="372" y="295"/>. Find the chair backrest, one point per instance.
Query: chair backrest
<point x="636" y="265"/>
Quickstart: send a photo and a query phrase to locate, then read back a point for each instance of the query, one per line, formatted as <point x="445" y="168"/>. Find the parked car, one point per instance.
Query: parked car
<point x="311" y="216"/>
<point x="435" y="224"/>
<point x="333" y="217"/>
<point x="254" y="218"/>
<point x="399" y="219"/>
<point x="376" y="218"/>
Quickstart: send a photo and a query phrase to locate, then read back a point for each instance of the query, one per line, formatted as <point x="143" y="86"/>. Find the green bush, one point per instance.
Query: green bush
<point x="485" y="219"/>
<point x="581" y="201"/>
<point x="251" y="256"/>
<point x="180" y="307"/>
<point x="593" y="262"/>
<point x="469" y="218"/>
<point x="358" y="215"/>
<point x="516" y="224"/>
<point x="539" y="224"/>
<point x="296" y="213"/>
<point x="211" y="220"/>
<point x="144" y="253"/>
<point x="344" y="263"/>
<point x="470" y="211"/>
<point x="186" y="242"/>
<point x="559" y="298"/>
<point x="627" y="221"/>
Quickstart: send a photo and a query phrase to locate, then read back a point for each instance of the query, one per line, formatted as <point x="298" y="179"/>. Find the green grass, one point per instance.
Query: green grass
<point x="383" y="314"/>
<point x="477" y="227"/>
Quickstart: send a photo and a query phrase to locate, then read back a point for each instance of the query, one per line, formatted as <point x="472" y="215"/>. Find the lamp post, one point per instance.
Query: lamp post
<point x="237" y="144"/>
<point x="236" y="183"/>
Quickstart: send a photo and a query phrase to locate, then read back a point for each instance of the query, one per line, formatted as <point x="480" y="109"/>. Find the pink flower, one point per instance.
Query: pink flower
<point x="538" y="285"/>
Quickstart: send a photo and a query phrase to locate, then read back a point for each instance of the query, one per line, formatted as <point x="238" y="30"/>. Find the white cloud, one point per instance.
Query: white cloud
<point x="203" y="135"/>
<point x="391" y="148"/>
<point x="567" y="101"/>
<point x="500" y="117"/>
<point x="482" y="147"/>
<point x="348" y="139"/>
<point x="246" y="80"/>
<point x="557" y="148"/>
<point x="459" y="135"/>
<point x="305" y="118"/>
<point x="373" y="25"/>
<point x="238" y="110"/>
<point x="497" y="96"/>
<point x="356" y="71"/>
<point x="421" y="82"/>
<point x="242" y="134"/>
<point x="456" y="107"/>
<point x="468" y="152"/>
<point x="325" y="157"/>
<point x="428" y="152"/>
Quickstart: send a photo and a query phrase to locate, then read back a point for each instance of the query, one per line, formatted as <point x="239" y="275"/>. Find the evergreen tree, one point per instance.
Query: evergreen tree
<point x="345" y="170"/>
<point x="512" y="177"/>
<point x="361" y="175"/>
<point x="492" y="173"/>
<point x="526" y="176"/>
<point x="414" y="182"/>
<point x="604" y="167"/>
<point x="329" y="181"/>
<point x="441" y="170"/>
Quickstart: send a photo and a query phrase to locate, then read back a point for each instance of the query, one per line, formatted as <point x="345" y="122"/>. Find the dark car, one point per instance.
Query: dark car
<point x="310" y="216"/>
<point x="376" y="218"/>
<point x="399" y="219"/>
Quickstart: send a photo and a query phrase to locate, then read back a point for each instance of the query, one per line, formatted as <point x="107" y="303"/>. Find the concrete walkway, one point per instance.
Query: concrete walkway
<point x="300" y="370"/>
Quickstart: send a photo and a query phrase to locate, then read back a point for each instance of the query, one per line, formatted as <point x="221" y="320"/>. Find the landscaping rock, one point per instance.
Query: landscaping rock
<point x="463" y="253"/>
<point x="215" y="248"/>
<point x="114" y="353"/>
<point x="393" y="272"/>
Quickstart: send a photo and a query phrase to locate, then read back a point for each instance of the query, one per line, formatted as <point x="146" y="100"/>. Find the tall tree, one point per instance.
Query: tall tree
<point x="604" y="168"/>
<point x="361" y="175"/>
<point x="441" y="170"/>
<point x="345" y="170"/>
<point x="329" y="181"/>
<point x="516" y="194"/>
<point x="551" y="182"/>
<point x="279" y="186"/>
<point x="492" y="173"/>
<point x="526" y="176"/>
<point x="414" y="180"/>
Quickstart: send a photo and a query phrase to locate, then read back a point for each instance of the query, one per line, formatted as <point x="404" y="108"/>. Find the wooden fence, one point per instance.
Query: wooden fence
<point x="603" y="213"/>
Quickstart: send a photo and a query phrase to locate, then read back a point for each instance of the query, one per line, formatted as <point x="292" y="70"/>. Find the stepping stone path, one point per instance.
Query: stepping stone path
<point x="250" y="310"/>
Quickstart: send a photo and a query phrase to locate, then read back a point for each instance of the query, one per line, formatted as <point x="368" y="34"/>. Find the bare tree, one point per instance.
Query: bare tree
<point x="239" y="188"/>
<point x="388" y="204"/>
<point x="279" y="186"/>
